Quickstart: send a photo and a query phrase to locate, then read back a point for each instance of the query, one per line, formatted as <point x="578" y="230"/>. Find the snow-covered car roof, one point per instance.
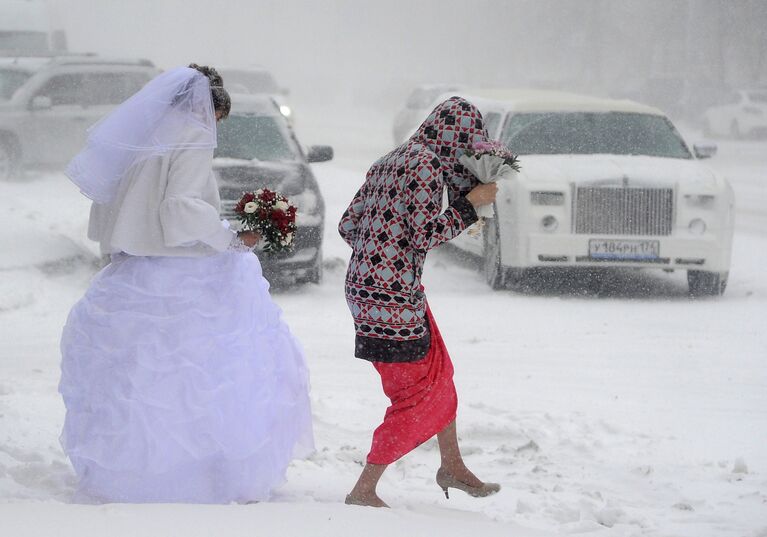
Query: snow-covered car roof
<point x="35" y="63"/>
<point x="250" y="79"/>
<point x="248" y="103"/>
<point x="93" y="59"/>
<point x="550" y="101"/>
<point x="23" y="63"/>
<point x="439" y="85"/>
<point x="243" y="68"/>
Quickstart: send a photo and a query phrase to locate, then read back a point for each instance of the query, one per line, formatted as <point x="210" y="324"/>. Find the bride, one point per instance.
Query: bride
<point x="180" y="379"/>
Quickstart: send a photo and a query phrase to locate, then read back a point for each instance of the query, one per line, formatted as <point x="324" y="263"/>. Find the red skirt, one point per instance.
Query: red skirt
<point x="423" y="401"/>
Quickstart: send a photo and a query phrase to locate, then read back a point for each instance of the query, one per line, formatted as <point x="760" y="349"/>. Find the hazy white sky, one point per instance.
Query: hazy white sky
<point x="369" y="51"/>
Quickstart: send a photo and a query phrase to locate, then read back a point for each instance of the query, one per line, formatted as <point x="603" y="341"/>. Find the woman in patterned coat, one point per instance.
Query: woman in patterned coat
<point x="391" y="223"/>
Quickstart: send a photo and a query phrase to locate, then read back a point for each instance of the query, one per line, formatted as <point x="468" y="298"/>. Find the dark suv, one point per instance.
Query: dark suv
<point x="258" y="149"/>
<point x="44" y="122"/>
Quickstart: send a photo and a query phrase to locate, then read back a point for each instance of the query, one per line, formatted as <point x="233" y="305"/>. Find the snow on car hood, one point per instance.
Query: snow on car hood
<point x="254" y="173"/>
<point x="622" y="170"/>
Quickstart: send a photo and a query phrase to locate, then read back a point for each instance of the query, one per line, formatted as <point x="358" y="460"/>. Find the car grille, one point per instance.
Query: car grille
<point x="624" y="211"/>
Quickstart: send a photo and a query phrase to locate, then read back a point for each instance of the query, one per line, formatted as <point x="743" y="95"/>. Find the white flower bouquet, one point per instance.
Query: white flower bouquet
<point x="490" y="161"/>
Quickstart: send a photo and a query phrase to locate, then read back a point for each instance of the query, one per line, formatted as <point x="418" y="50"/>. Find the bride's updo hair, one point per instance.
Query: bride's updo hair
<point x="221" y="101"/>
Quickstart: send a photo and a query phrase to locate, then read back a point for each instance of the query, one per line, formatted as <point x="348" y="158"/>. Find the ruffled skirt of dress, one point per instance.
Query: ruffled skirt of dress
<point x="182" y="383"/>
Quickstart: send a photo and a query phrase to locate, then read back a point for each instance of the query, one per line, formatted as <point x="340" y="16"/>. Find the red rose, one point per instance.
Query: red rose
<point x="281" y="220"/>
<point x="247" y="197"/>
<point x="267" y="196"/>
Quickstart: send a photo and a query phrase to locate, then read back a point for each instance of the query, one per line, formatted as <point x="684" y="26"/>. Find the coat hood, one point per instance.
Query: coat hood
<point x="452" y="127"/>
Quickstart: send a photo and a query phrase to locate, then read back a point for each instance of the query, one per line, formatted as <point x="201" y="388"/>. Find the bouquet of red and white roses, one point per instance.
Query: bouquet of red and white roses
<point x="271" y="215"/>
<point x="490" y="161"/>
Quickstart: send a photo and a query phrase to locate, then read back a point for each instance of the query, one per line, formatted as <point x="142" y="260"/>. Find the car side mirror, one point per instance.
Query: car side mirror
<point x="704" y="150"/>
<point x="41" y="102"/>
<point x="319" y="153"/>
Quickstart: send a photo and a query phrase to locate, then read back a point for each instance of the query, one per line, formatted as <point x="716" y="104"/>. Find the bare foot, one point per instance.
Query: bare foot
<point x="368" y="500"/>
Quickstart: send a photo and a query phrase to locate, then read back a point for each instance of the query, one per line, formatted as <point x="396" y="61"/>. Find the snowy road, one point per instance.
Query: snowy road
<point x="617" y="409"/>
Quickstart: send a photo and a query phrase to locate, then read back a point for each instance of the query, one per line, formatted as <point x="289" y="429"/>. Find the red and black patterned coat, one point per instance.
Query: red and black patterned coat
<point x="395" y="219"/>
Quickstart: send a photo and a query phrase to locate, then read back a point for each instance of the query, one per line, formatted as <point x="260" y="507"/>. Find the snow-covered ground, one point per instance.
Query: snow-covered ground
<point x="617" y="409"/>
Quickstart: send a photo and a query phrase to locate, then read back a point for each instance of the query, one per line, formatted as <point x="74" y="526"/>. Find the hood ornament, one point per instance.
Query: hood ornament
<point x="625" y="181"/>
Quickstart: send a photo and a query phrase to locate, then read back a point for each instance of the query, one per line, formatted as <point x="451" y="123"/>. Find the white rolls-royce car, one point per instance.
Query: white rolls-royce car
<point x="603" y="183"/>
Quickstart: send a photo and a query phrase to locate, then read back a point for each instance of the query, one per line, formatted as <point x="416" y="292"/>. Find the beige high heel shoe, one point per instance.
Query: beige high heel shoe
<point x="447" y="480"/>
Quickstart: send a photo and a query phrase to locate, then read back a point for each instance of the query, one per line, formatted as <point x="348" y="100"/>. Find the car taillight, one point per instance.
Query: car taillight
<point x="293" y="185"/>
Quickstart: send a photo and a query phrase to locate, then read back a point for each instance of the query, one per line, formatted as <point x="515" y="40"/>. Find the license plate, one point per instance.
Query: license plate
<point x="623" y="249"/>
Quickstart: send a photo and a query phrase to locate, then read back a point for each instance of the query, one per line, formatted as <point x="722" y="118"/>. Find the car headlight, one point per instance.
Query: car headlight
<point x="547" y="198"/>
<point x="293" y="185"/>
<point x="296" y="189"/>
<point x="549" y="223"/>
<point x="702" y="201"/>
<point x="697" y="226"/>
<point x="285" y="110"/>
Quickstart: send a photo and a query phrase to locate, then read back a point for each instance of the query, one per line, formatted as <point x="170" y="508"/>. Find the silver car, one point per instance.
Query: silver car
<point x="53" y="101"/>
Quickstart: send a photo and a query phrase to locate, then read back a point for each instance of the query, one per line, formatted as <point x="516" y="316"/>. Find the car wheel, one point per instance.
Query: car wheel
<point x="703" y="283"/>
<point x="7" y="161"/>
<point x="735" y="130"/>
<point x="515" y="277"/>
<point x="492" y="267"/>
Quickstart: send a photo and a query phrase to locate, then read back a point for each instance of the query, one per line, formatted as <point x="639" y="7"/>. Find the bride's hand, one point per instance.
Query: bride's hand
<point x="249" y="238"/>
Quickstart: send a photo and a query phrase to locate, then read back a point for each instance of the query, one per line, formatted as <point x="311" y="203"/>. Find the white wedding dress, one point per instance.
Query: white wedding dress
<point x="182" y="383"/>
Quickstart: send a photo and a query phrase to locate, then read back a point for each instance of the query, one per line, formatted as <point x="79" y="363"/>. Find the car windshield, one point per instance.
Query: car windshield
<point x="758" y="97"/>
<point x="10" y="81"/>
<point x="585" y="133"/>
<point x="250" y="82"/>
<point x="257" y="137"/>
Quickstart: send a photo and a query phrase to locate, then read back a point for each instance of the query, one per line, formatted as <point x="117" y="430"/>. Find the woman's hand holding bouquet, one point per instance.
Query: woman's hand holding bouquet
<point x="489" y="161"/>
<point x="268" y="215"/>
